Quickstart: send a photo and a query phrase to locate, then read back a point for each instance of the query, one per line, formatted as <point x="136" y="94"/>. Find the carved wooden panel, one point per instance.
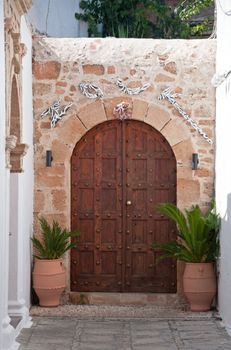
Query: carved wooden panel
<point x="120" y="172"/>
<point x="96" y="210"/>
<point x="150" y="180"/>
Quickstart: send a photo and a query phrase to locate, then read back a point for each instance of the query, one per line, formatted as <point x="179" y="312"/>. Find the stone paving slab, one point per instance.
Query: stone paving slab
<point x="73" y="333"/>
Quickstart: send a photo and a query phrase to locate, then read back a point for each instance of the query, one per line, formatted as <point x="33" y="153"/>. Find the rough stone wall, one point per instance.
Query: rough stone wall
<point x="61" y="64"/>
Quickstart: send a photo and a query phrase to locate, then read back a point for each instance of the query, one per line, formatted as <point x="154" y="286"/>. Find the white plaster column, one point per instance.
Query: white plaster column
<point x="16" y="302"/>
<point x="19" y="255"/>
<point x="13" y="245"/>
<point x="8" y="332"/>
<point x="223" y="159"/>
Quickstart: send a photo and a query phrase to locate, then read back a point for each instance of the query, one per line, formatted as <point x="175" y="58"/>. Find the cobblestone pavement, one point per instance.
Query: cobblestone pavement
<point x="73" y="333"/>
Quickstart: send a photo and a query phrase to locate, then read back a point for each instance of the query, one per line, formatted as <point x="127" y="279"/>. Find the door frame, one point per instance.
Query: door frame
<point x="123" y="151"/>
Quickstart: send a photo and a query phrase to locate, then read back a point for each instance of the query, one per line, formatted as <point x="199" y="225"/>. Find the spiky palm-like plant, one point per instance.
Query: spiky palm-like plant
<point x="55" y="241"/>
<point x="197" y="234"/>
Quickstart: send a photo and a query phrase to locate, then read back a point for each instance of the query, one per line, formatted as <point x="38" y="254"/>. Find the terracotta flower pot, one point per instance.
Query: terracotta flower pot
<point x="199" y="283"/>
<point x="49" y="281"/>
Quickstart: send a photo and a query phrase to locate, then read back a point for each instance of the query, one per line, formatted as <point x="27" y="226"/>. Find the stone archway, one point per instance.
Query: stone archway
<point x="54" y="182"/>
<point x="52" y="185"/>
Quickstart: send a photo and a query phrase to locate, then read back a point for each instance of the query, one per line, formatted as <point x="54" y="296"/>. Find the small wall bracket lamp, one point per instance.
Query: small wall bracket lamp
<point x="195" y="161"/>
<point x="49" y="158"/>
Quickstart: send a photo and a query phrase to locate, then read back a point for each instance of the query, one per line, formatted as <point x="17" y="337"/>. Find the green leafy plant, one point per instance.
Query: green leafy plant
<point x="122" y="18"/>
<point x="187" y="10"/>
<point x="168" y="24"/>
<point x="55" y="241"/>
<point x="142" y="19"/>
<point x="197" y="234"/>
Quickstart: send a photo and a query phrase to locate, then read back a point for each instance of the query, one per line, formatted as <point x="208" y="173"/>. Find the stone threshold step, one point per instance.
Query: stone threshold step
<point x="123" y="299"/>
<point x="114" y="312"/>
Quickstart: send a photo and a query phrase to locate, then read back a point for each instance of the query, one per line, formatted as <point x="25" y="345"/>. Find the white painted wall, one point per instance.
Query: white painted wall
<point x="223" y="160"/>
<point x="26" y="180"/>
<point x="56" y="18"/>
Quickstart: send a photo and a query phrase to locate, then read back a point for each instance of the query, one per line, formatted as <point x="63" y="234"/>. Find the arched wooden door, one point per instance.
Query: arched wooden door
<point x="120" y="171"/>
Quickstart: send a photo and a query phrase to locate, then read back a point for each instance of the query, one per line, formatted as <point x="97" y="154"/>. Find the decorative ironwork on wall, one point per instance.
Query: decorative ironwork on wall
<point x="55" y="111"/>
<point x="90" y="90"/>
<point x="122" y="111"/>
<point x="218" y="79"/>
<point x="131" y="91"/>
<point x="169" y="95"/>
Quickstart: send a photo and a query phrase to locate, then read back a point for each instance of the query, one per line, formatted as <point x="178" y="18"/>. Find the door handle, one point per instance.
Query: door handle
<point x="128" y="203"/>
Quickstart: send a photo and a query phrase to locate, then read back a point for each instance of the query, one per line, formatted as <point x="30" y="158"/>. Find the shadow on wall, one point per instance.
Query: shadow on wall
<point x="225" y="234"/>
<point x="224" y="268"/>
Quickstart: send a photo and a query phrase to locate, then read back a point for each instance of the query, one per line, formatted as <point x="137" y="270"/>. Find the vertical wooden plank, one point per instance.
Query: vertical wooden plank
<point x="96" y="264"/>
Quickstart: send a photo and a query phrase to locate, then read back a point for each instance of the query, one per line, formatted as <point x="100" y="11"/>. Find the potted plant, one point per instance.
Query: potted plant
<point x="49" y="272"/>
<point x="197" y="245"/>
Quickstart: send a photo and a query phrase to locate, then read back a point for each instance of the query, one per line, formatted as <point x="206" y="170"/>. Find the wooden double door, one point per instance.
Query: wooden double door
<point x="120" y="171"/>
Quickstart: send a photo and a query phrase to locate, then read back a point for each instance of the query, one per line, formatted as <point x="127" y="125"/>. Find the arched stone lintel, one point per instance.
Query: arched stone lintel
<point x="66" y="135"/>
<point x="92" y="114"/>
<point x="74" y="127"/>
<point x="111" y="103"/>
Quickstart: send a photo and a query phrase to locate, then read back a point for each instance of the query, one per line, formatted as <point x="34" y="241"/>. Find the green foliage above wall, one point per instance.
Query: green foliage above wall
<point x="143" y="19"/>
<point x="188" y="10"/>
